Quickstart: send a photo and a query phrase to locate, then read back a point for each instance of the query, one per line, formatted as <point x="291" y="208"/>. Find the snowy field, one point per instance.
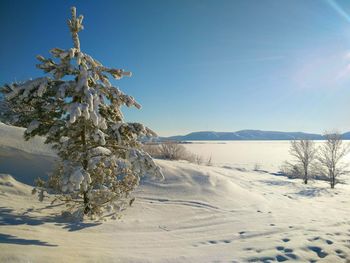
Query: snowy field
<point x="197" y="214"/>
<point x="264" y="155"/>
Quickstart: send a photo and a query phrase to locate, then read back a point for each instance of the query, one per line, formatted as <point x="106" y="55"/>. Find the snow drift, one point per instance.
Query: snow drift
<point x="197" y="214"/>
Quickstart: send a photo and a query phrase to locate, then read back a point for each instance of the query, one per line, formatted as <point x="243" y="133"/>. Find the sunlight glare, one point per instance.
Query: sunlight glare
<point x="338" y="9"/>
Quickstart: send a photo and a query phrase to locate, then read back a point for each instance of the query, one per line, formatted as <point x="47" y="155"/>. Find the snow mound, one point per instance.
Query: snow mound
<point x="12" y="137"/>
<point x="213" y="185"/>
<point x="25" y="167"/>
<point x="24" y="160"/>
<point x="8" y="185"/>
<point x="182" y="180"/>
<point x="197" y="214"/>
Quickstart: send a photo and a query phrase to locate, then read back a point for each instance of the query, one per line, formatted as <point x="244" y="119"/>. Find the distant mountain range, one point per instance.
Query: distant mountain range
<point x="247" y="135"/>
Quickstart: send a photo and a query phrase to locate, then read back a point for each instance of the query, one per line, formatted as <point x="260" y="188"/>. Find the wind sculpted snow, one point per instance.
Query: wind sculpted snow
<point x="197" y="214"/>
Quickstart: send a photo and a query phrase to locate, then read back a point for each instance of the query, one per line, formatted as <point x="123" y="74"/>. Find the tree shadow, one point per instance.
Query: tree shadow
<point x="276" y="183"/>
<point x="279" y="174"/>
<point x="235" y="168"/>
<point x="312" y="192"/>
<point x="9" y="217"/>
<point x="260" y="171"/>
<point x="9" y="239"/>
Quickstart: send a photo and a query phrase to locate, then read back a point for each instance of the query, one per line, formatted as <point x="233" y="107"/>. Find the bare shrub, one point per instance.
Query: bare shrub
<point x="153" y="150"/>
<point x="257" y="167"/>
<point x="291" y="170"/>
<point x="169" y="150"/>
<point x="210" y="161"/>
<point x="172" y="150"/>
<point x="198" y="159"/>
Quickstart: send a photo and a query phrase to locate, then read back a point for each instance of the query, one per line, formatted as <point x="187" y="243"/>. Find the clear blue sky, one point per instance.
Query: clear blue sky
<point x="202" y="64"/>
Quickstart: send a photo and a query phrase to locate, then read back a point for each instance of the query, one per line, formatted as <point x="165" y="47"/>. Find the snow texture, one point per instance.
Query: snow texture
<point x="197" y="214"/>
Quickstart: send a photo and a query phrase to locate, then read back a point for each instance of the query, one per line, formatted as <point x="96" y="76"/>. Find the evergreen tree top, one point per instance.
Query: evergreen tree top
<point x="79" y="113"/>
<point x="75" y="25"/>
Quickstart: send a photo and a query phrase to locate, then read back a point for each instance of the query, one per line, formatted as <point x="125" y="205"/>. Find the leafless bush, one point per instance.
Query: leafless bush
<point x="257" y="167"/>
<point x="153" y="150"/>
<point x="291" y="170"/>
<point x="210" y="161"/>
<point x="198" y="159"/>
<point x="296" y="170"/>
<point x="173" y="151"/>
<point x="169" y="151"/>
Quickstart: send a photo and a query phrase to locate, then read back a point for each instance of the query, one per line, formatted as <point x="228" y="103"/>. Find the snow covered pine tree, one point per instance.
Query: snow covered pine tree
<point x="78" y="111"/>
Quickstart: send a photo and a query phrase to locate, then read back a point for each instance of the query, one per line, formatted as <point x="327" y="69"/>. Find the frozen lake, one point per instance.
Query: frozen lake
<point x="266" y="155"/>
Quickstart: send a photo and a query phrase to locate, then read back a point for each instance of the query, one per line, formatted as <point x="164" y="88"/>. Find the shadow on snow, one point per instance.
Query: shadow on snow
<point x="9" y="239"/>
<point x="8" y="217"/>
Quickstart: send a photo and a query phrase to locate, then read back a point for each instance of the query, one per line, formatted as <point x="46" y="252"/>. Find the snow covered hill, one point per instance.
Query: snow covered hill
<point x="246" y="135"/>
<point x="197" y="214"/>
<point x="25" y="160"/>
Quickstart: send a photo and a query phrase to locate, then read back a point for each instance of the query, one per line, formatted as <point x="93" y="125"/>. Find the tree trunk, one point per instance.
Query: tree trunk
<point x="332" y="180"/>
<point x="85" y="164"/>
<point x="305" y="175"/>
<point x="86" y="204"/>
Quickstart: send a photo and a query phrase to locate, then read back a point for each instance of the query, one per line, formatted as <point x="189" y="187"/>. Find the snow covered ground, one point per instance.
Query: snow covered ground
<point x="197" y="214"/>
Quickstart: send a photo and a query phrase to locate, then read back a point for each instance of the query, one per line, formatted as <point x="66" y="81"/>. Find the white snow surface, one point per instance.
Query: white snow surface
<point x="197" y="214"/>
<point x="12" y="137"/>
<point x="264" y="155"/>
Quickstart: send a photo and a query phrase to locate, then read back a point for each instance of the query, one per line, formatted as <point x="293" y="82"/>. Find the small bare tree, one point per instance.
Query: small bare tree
<point x="305" y="153"/>
<point x="332" y="152"/>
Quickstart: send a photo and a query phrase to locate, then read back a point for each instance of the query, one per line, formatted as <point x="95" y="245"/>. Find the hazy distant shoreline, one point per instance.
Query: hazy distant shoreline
<point x="247" y="135"/>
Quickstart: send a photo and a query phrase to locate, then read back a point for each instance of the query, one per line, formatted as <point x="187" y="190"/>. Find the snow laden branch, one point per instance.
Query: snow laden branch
<point x="78" y="110"/>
